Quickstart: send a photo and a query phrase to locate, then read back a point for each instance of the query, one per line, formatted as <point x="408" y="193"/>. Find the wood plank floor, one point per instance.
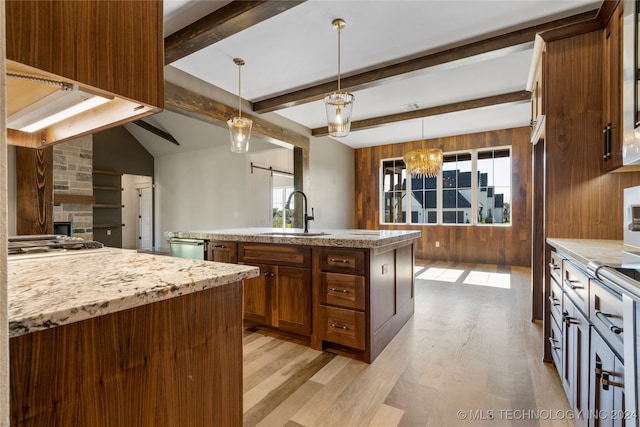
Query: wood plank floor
<point x="469" y="347"/>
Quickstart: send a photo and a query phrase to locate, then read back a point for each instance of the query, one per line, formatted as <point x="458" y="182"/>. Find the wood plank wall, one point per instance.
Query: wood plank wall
<point x="581" y="201"/>
<point x="475" y="244"/>
<point x="34" y="205"/>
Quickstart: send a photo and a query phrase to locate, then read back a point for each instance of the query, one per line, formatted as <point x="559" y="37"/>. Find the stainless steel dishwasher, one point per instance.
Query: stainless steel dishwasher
<point x="188" y="248"/>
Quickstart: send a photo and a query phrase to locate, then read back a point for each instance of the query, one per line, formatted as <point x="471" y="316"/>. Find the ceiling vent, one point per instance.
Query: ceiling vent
<point x="411" y="106"/>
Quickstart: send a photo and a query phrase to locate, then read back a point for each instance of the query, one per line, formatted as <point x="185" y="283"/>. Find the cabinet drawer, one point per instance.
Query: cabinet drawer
<point x="295" y="256"/>
<point x="607" y="315"/>
<point x="555" y="341"/>
<point x="221" y="251"/>
<point x="342" y="260"/>
<point x="346" y="327"/>
<point x="344" y="290"/>
<point x="576" y="284"/>
<point x="555" y="266"/>
<point x="555" y="302"/>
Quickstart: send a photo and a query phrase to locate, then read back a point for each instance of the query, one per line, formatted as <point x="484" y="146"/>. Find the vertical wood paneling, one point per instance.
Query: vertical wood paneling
<point x="581" y="202"/>
<point x="176" y="362"/>
<point x="34" y="169"/>
<point x="475" y="244"/>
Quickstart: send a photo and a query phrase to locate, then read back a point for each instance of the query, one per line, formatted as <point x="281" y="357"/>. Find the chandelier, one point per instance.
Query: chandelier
<point x="339" y="104"/>
<point x="423" y="162"/>
<point x="239" y="127"/>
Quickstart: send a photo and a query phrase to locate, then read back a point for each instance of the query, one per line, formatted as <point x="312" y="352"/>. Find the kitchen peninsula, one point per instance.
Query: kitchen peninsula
<point x="348" y="291"/>
<point x="115" y="337"/>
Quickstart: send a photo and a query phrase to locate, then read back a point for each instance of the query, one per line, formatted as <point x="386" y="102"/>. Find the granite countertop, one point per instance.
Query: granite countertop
<point x="323" y="237"/>
<point x="49" y="291"/>
<point x="605" y="252"/>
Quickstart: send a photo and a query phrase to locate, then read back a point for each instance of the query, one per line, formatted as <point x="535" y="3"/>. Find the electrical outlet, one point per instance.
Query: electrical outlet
<point x="437" y="244"/>
<point x="385" y="268"/>
<point x="108" y="232"/>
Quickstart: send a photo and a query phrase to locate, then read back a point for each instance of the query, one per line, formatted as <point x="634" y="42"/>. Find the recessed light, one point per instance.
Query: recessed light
<point x="411" y="106"/>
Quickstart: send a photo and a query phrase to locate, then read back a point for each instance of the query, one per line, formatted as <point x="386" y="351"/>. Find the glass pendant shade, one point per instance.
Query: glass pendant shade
<point x="239" y="127"/>
<point x="339" y="106"/>
<point x="240" y="132"/>
<point x="423" y="162"/>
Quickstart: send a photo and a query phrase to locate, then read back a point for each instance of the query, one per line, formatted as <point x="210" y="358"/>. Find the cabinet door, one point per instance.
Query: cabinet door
<point x="612" y="91"/>
<point x="292" y="300"/>
<point x="607" y="388"/>
<point x="575" y="360"/>
<point x="257" y="296"/>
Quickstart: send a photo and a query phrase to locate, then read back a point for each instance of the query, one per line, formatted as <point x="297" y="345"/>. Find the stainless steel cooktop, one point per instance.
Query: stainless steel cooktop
<point x="48" y="243"/>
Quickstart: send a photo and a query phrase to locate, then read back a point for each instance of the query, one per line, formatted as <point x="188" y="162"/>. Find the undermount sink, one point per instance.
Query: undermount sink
<point x="285" y="234"/>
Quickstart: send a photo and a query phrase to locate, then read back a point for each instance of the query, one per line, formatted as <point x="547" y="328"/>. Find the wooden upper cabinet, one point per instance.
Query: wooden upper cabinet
<point x="114" y="48"/>
<point x="535" y="85"/>
<point x="612" y="91"/>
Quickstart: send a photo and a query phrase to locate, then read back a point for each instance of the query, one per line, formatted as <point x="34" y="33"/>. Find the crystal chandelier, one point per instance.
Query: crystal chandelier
<point x="339" y="104"/>
<point x="423" y="162"/>
<point x="239" y="127"/>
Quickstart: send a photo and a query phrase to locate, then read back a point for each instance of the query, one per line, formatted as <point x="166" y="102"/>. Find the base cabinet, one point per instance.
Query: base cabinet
<point x="607" y="386"/>
<point x="588" y="343"/>
<point x="280" y="297"/>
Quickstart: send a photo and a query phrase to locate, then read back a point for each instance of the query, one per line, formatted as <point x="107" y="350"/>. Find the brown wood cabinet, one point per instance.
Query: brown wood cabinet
<point x="612" y="91"/>
<point x="114" y="48"/>
<point x="221" y="251"/>
<point x="280" y="297"/>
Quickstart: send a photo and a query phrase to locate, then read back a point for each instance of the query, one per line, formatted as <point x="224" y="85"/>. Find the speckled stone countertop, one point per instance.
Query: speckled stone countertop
<point x="48" y="291"/>
<point x="594" y="254"/>
<point x="324" y="237"/>
<point x="607" y="252"/>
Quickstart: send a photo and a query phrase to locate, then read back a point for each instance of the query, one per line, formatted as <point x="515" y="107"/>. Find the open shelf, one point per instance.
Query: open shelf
<point x="103" y="172"/>
<point x="107" y="188"/>
<point x="108" y="206"/>
<point x="107" y="225"/>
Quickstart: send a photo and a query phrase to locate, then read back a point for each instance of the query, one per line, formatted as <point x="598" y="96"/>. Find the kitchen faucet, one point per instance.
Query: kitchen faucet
<point x="307" y="218"/>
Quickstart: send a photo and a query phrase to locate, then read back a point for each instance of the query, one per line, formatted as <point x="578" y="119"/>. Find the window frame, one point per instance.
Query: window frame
<point x="475" y="187"/>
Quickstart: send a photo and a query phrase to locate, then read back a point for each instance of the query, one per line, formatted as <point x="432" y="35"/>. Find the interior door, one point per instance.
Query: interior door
<point x="145" y="196"/>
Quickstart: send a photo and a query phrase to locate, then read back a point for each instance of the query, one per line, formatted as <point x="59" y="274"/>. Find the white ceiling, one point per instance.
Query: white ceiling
<point x="298" y="48"/>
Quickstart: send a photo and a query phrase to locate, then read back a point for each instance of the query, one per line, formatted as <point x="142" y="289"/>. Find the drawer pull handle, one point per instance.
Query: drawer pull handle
<point x="554" y="301"/>
<point x="554" y="266"/>
<point x="339" y="326"/>
<point x="218" y="246"/>
<point x="342" y="261"/>
<point x="553" y="344"/>
<point x="570" y="283"/>
<point x="568" y="320"/>
<point x="344" y="291"/>
<point x="604" y="317"/>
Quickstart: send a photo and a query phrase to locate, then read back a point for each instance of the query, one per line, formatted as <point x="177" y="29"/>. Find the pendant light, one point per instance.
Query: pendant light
<point x="423" y="162"/>
<point x="239" y="127"/>
<point x="339" y="103"/>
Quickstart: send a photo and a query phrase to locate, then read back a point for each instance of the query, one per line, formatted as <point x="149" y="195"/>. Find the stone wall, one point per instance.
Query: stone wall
<point x="72" y="174"/>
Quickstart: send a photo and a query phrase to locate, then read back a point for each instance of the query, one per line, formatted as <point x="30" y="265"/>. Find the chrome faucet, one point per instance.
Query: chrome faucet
<point x="307" y="218"/>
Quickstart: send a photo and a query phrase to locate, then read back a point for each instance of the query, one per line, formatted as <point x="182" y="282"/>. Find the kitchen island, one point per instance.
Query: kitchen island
<point x="348" y="291"/>
<point x="112" y="337"/>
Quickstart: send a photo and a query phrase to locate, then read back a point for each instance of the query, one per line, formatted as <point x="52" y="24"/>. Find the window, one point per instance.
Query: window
<point x="474" y="187"/>
<point x="282" y="188"/>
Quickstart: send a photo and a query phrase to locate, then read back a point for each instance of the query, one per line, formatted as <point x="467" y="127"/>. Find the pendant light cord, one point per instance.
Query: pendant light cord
<point x="338" y="59"/>
<point x="239" y="92"/>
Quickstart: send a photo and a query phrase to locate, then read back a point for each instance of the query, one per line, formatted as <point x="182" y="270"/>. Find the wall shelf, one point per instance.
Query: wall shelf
<point x="107" y="188"/>
<point x="104" y="172"/>
<point x="73" y="198"/>
<point x="108" y="226"/>
<point x="108" y="206"/>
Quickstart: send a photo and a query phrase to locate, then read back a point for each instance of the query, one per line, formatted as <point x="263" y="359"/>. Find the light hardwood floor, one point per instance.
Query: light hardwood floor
<point x="469" y="347"/>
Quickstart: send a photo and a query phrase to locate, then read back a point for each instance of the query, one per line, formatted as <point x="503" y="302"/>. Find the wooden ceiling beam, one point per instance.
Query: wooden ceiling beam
<point x="520" y="96"/>
<point x="220" y="24"/>
<point x="192" y="104"/>
<point x="476" y="51"/>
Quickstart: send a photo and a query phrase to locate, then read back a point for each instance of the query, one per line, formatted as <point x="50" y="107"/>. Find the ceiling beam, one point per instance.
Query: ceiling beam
<point x="192" y="104"/>
<point x="520" y="96"/>
<point x="154" y="130"/>
<point x="476" y="51"/>
<point x="220" y="24"/>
